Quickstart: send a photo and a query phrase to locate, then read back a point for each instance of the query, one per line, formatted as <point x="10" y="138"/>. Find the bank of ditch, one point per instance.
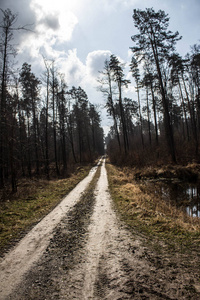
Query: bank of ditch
<point x="166" y="228"/>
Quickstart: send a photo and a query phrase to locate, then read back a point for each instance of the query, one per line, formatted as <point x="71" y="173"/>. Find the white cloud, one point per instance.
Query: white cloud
<point x="95" y="61"/>
<point x="54" y="27"/>
<point x="33" y="48"/>
<point x="72" y="67"/>
<point x="54" y="20"/>
<point x="114" y="5"/>
<point x="51" y="21"/>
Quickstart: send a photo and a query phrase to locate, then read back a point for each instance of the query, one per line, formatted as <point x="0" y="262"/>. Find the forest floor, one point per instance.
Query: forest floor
<point x="91" y="247"/>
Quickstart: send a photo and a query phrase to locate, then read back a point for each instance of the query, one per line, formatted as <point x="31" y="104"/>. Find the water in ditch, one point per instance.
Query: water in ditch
<point x="184" y="195"/>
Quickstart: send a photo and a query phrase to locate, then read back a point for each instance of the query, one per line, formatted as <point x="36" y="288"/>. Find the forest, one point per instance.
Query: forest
<point x="46" y="126"/>
<point x="161" y="125"/>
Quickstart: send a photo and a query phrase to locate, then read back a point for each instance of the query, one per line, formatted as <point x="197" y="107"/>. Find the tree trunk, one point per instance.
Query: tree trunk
<point x="148" y="116"/>
<point x="192" y="117"/>
<point x="113" y="112"/>
<point x="54" y="126"/>
<point x="35" y="138"/>
<point x="125" y="135"/>
<point x="46" y="129"/>
<point x="184" y="110"/>
<point x="154" y="113"/>
<point x="79" y="142"/>
<point x="71" y="139"/>
<point x="140" y="115"/>
<point x="3" y="111"/>
<point x="12" y="159"/>
<point x="167" y="122"/>
<point x="64" y="155"/>
<point x="29" y="151"/>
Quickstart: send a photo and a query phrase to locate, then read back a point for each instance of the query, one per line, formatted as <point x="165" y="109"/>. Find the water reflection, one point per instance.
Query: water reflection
<point x="193" y="211"/>
<point x="181" y="194"/>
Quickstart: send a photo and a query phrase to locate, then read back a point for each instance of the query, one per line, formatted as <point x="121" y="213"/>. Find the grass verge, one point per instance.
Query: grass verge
<point x="146" y="212"/>
<point x="34" y="199"/>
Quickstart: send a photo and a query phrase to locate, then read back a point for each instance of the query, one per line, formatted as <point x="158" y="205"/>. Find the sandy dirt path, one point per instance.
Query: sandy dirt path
<point x="19" y="260"/>
<point x="90" y="254"/>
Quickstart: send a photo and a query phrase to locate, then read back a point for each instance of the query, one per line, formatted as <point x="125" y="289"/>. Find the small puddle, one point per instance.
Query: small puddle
<point x="183" y="195"/>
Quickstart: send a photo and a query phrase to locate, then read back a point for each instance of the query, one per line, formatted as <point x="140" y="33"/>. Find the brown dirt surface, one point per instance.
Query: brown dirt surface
<point x="88" y="253"/>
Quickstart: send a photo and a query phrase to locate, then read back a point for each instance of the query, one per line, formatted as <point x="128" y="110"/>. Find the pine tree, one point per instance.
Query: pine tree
<point x="156" y="42"/>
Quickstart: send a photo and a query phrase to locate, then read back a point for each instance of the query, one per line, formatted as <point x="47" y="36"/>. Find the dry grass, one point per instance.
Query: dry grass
<point x="145" y="210"/>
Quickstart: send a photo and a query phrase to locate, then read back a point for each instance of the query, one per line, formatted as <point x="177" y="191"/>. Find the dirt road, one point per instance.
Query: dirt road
<point x="82" y="251"/>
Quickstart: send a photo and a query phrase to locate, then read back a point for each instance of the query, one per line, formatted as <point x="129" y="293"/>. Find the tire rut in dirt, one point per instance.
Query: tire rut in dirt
<point x="48" y="278"/>
<point x="124" y="276"/>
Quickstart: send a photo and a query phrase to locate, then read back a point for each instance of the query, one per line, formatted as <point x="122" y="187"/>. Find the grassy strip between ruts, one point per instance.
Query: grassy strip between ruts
<point x="35" y="198"/>
<point x="147" y="213"/>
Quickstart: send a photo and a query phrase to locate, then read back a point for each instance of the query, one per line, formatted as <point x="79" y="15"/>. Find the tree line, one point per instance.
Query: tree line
<point x="162" y="123"/>
<point x="45" y="126"/>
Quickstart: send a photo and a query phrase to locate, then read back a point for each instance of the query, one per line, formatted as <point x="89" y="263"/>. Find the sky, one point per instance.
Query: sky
<point x="79" y="35"/>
